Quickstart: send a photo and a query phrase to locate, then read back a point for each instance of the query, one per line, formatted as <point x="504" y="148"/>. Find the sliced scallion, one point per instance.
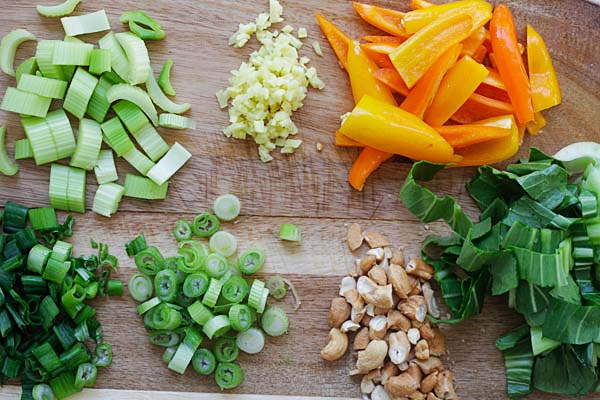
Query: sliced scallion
<point x="164" y="79"/>
<point x="100" y="61"/>
<point x="42" y="391"/>
<point x="80" y="92"/>
<point x="116" y="136"/>
<point x="143" y="188"/>
<point x="212" y="294"/>
<point x="140" y="287"/>
<point x="43" y="218"/>
<point x="86" y="375"/>
<point x="186" y="350"/>
<point x="118" y="58"/>
<point x="21" y="102"/>
<point x="215" y="265"/>
<point x="216" y="326"/>
<point x="256" y="294"/>
<point x="45" y="87"/>
<point x="134" y="95"/>
<point x="162" y="101"/>
<point x="227" y="207"/>
<point x="235" y="289"/>
<point x="276" y="286"/>
<point x="106" y="171"/>
<point x="7" y="166"/>
<point x="72" y="53"/>
<point x="290" y="232"/>
<point x="274" y="321"/>
<point x="226" y="350"/>
<point x="204" y="362"/>
<point x="87" y="23"/>
<point x="137" y="57"/>
<point x="58" y="10"/>
<point x="251" y="261"/>
<point x="141" y="25"/>
<point x="89" y="142"/>
<point x="251" y="341"/>
<point x="242" y="317"/>
<point x="205" y="225"/>
<point x="174" y="121"/>
<point x="8" y="48"/>
<point x="223" y="243"/>
<point x="107" y="199"/>
<point x="229" y="375"/>
<point x="149" y="260"/>
<point x="195" y="285"/>
<point x="171" y="162"/>
<point x="166" y="285"/>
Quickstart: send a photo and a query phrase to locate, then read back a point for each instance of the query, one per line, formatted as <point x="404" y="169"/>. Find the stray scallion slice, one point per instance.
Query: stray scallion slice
<point x="229" y="375"/>
<point x="186" y="350"/>
<point x="41" y="391"/>
<point x="106" y="171"/>
<point x="183" y="230"/>
<point x="205" y="225"/>
<point x="217" y="326"/>
<point x="204" y="362"/>
<point x="164" y="79"/>
<point x="174" y="121"/>
<point x="8" y="48"/>
<point x="7" y="166"/>
<point x="212" y="294"/>
<point x="140" y="287"/>
<point x="58" y="10"/>
<point x="195" y="285"/>
<point x="226" y="350"/>
<point x="274" y="321"/>
<point x="89" y="141"/>
<point x="215" y="265"/>
<point x="137" y="57"/>
<point x="21" y="102"/>
<point x="251" y="261"/>
<point x="251" y="341"/>
<point x="223" y="243"/>
<point x="235" y="289"/>
<point x="166" y="285"/>
<point x="87" y="23"/>
<point x="171" y="162"/>
<point x="276" y="286"/>
<point x="149" y="260"/>
<point x="227" y="207"/>
<point x="242" y="317"/>
<point x="107" y="199"/>
<point x="134" y="95"/>
<point x="162" y="101"/>
<point x="290" y="232"/>
<point x="141" y="25"/>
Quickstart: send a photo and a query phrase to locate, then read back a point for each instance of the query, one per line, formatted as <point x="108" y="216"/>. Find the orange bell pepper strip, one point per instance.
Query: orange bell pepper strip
<point x="418" y="4"/>
<point x="385" y="127"/>
<point x="393" y="40"/>
<point x="338" y="40"/>
<point x="392" y="79"/>
<point x="539" y="122"/>
<point x="362" y="81"/>
<point x="479" y="107"/>
<point x="545" y="91"/>
<point x="510" y="64"/>
<point x="382" y="48"/>
<point x="492" y="151"/>
<point x="480" y="53"/>
<point x="343" y="141"/>
<point x="387" y="20"/>
<point x="459" y="136"/>
<point x="421" y="96"/>
<point x="492" y="86"/>
<point x="480" y="11"/>
<point x="459" y="83"/>
<point x="415" y="56"/>
<point x="382" y="60"/>
<point x="473" y="42"/>
<point x="368" y="161"/>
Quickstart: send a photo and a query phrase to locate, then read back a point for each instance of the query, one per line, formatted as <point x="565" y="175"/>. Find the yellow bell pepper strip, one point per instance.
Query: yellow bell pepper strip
<point x="421" y="96"/>
<point x="474" y="41"/>
<point x="480" y="11"/>
<point x="492" y="151"/>
<point x="459" y="83"/>
<point x="388" y="128"/>
<point x="387" y="20"/>
<point x="545" y="91"/>
<point x="393" y="40"/>
<point x="460" y="136"/>
<point x="415" y="56"/>
<point x="362" y="81"/>
<point x="539" y="122"/>
<point x="338" y="40"/>
<point x="418" y="4"/>
<point x="392" y="79"/>
<point x="382" y="60"/>
<point x="382" y="48"/>
<point x="480" y="53"/>
<point x="344" y="141"/>
<point x="510" y="64"/>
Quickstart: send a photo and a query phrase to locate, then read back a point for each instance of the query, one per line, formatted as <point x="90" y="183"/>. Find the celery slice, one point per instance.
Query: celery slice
<point x="87" y="23"/>
<point x="161" y="100"/>
<point x="137" y="57"/>
<point x="174" y="121"/>
<point x="76" y="190"/>
<point x="58" y="10"/>
<point x="107" y="199"/>
<point x="138" y="160"/>
<point x="8" y="48"/>
<point x="45" y="55"/>
<point x="143" y="188"/>
<point x="20" y="102"/>
<point x="98" y="106"/>
<point x="134" y="95"/>
<point x="118" y="58"/>
<point x="62" y="133"/>
<point x="105" y="170"/>
<point x="28" y="66"/>
<point x="164" y="79"/>
<point x="7" y="166"/>
<point x="100" y="61"/>
<point x="89" y="141"/>
<point x="45" y="87"/>
<point x="72" y="53"/>
<point x="80" y="92"/>
<point x="151" y="142"/>
<point x="116" y="136"/>
<point x="23" y="149"/>
<point x="59" y="187"/>
<point x="132" y="117"/>
<point x="40" y="138"/>
<point x="175" y="158"/>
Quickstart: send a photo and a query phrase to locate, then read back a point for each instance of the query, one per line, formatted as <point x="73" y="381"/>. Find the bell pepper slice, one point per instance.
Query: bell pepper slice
<point x="368" y="161"/>
<point x="459" y="83"/>
<point x="492" y="86"/>
<point x="421" y="96"/>
<point x="415" y="56"/>
<point x="480" y="11"/>
<point x="479" y="107"/>
<point x="344" y="141"/>
<point x="492" y="151"/>
<point x="418" y="4"/>
<point x="362" y="81"/>
<point x="474" y="41"/>
<point x="382" y="60"/>
<point x="390" y="129"/>
<point x="387" y="20"/>
<point x="535" y="127"/>
<point x="545" y="91"/>
<point x="480" y="53"/>
<point x="338" y="40"/>
<point x="392" y="79"/>
<point x="393" y="40"/>
<point x="510" y="64"/>
<point x="460" y="136"/>
<point x="382" y="48"/>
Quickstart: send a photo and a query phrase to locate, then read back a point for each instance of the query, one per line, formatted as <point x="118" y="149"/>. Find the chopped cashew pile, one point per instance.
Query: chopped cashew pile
<point x="384" y="303"/>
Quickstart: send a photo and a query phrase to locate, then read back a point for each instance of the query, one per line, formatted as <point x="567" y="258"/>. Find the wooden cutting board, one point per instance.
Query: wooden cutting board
<point x="308" y="189"/>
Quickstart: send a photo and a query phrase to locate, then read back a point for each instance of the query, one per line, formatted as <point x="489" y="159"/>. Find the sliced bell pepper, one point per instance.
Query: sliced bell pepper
<point x="458" y="85"/>
<point x="382" y="48"/>
<point x="387" y="20"/>
<point x="459" y="136"/>
<point x="338" y="40"/>
<point x="492" y="86"/>
<point x="480" y="11"/>
<point x="539" y="122"/>
<point x="415" y="56"/>
<point x="362" y="81"/>
<point x="388" y="128"/>
<point x="393" y="40"/>
<point x="480" y="53"/>
<point x="510" y="64"/>
<point x="492" y="151"/>
<point x="392" y="79"/>
<point x="418" y="4"/>
<point x="344" y="141"/>
<point x="545" y="91"/>
<point x="474" y="41"/>
<point x="421" y="96"/>
<point x="382" y="60"/>
<point x="479" y="107"/>
<point x="368" y="161"/>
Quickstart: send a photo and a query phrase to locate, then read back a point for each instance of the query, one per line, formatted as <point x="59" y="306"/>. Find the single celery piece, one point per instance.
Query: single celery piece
<point x="44" y="55"/>
<point x="136" y="96"/>
<point x="40" y="138"/>
<point x="118" y="58"/>
<point x="80" y="92"/>
<point x="62" y="133"/>
<point x="7" y="167"/>
<point x="59" y="10"/>
<point x="164" y="79"/>
<point x="23" y="149"/>
<point x="143" y="188"/>
<point x="45" y="87"/>
<point x="72" y="53"/>
<point x="107" y="199"/>
<point x="137" y="57"/>
<point x="8" y="48"/>
<point x="138" y="160"/>
<point x="98" y="106"/>
<point x="76" y="189"/>
<point x="175" y="158"/>
<point x="89" y="142"/>
<point x="100" y="61"/>
<point x="132" y="117"/>
<point x="116" y="136"/>
<point x="174" y="121"/>
<point x="290" y="232"/>
<point x="87" y="23"/>
<point x="21" y="102"/>
<point x="59" y="185"/>
<point x="151" y="142"/>
<point x="141" y="25"/>
<point x="28" y="66"/>
<point x="106" y="171"/>
<point x="162" y="101"/>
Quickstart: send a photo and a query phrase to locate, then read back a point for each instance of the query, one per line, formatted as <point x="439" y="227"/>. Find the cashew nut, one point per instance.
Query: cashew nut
<point x="355" y="299"/>
<point x="399" y="279"/>
<point x="420" y="268"/>
<point x="399" y="347"/>
<point x="370" y="310"/>
<point x="362" y="339"/>
<point x="417" y="396"/>
<point x="429" y="382"/>
<point x="387" y="253"/>
<point x="355" y="237"/>
<point x="348" y="283"/>
<point x="372" y="357"/>
<point x="397" y="321"/>
<point x="432" y="396"/>
<point x="430" y="301"/>
<point x="430" y="365"/>
<point x="367" y="384"/>
<point x="338" y="312"/>
<point x="378" y="275"/>
<point x="350" y="326"/>
<point x="427" y="332"/>
<point x="389" y="369"/>
<point x="357" y="315"/>
<point x="444" y="387"/>
<point x="380" y="296"/>
<point x="422" y="350"/>
<point x="375" y="239"/>
<point x="380" y="394"/>
<point x="366" y="320"/>
<point x="379" y="253"/>
<point x="414" y="371"/>
<point x="415" y="284"/>
<point x="437" y="346"/>
<point x="402" y="385"/>
<point x="378" y="327"/>
<point x="413" y="335"/>
<point x="368" y="262"/>
<point x="337" y="346"/>
<point x="397" y="258"/>
<point x="414" y="308"/>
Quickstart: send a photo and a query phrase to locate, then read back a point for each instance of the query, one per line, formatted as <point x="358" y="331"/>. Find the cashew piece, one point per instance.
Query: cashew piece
<point x="379" y="296"/>
<point x="399" y="279"/>
<point x="402" y="385"/>
<point x="378" y="327"/>
<point x="337" y="346"/>
<point x="368" y="262"/>
<point x="355" y="237"/>
<point x="338" y="312"/>
<point x="397" y="321"/>
<point x="422" y="350"/>
<point x="429" y="382"/>
<point x="379" y="253"/>
<point x="430" y="301"/>
<point x="389" y="369"/>
<point x="427" y="332"/>
<point x="366" y="384"/>
<point x="432" y="396"/>
<point x="380" y="394"/>
<point x="420" y="268"/>
<point x="357" y="315"/>
<point x="444" y="387"/>
<point x="362" y="339"/>
<point x="375" y="239"/>
<point x="372" y="357"/>
<point x="430" y="365"/>
<point x="350" y="326"/>
<point x="413" y="335"/>
<point x="414" y="308"/>
<point x="397" y="258"/>
<point x="355" y="299"/>
<point x="437" y="346"/>
<point x="378" y="275"/>
<point x="414" y="371"/>
<point x="399" y="347"/>
<point x="348" y="283"/>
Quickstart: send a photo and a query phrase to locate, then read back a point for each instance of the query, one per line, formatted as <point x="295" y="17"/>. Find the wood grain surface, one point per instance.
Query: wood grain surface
<point x="308" y="188"/>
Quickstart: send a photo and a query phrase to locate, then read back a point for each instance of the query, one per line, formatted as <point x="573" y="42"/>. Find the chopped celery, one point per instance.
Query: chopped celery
<point x="8" y="48"/>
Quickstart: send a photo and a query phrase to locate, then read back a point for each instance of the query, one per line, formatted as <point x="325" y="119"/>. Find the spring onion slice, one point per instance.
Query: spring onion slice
<point x="118" y="58"/>
<point x="42" y="392"/>
<point x="256" y="294"/>
<point x="185" y="351"/>
<point x="137" y="57"/>
<point x="174" y="121"/>
<point x="28" y="66"/>
<point x="163" y="317"/>
<point x="72" y="53"/>
<point x="162" y="101"/>
<point x="86" y="375"/>
<point x="80" y="92"/>
<point x="263" y="301"/>
<point x="204" y="362"/>
<point x="58" y="10"/>
<point x="235" y="289"/>
<point x="42" y="218"/>
<point x="87" y="23"/>
<point x="149" y="261"/>
<point x="276" y="286"/>
<point x="100" y="61"/>
<point x="140" y="287"/>
<point x="229" y="375"/>
<point x="251" y="261"/>
<point x="183" y="230"/>
<point x="141" y="25"/>
<point x="215" y="265"/>
<point x="223" y="243"/>
<point x="165" y="338"/>
<point x="59" y="186"/>
<point x="200" y="313"/>
<point x="7" y="166"/>
<point x="274" y="321"/>
<point x="140" y="162"/>
<point x="150" y="141"/>
<point x="44" y="55"/>
<point x="136" y="245"/>
<point x="251" y="341"/>
<point x="106" y="171"/>
<point x="8" y="48"/>
<point x="134" y="95"/>
<point x="171" y="162"/>
<point x="89" y="142"/>
<point x="143" y="188"/>
<point x="290" y="232"/>
<point x="76" y="190"/>
<point x="212" y="294"/>
<point x="226" y="350"/>
<point x="205" y="225"/>
<point x="107" y="199"/>
<point x="116" y="136"/>
<point x="166" y="285"/>
<point x="168" y="354"/>
<point x="217" y="326"/>
<point x="195" y="285"/>
<point x="104" y="355"/>
<point x="227" y="207"/>
<point x="164" y="79"/>
<point x="148" y="305"/>
<point x="62" y="133"/>
<point x="242" y="317"/>
<point x="21" y="102"/>
<point x="45" y="87"/>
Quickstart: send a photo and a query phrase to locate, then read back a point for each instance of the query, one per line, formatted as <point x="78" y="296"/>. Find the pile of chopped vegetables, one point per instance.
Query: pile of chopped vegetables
<point x="46" y="323"/>
<point x="466" y="96"/>
<point x="206" y="292"/>
<point x="537" y="240"/>
<point x="91" y="82"/>
<point x="266" y="90"/>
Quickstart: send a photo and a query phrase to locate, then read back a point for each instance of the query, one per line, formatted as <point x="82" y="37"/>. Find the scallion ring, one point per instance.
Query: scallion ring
<point x="229" y="375"/>
<point x="226" y="350"/>
<point x="205" y="225"/>
<point x="165" y="338"/>
<point x="104" y="355"/>
<point x="204" y="362"/>
<point x="215" y="265"/>
<point x="140" y="287"/>
<point x="274" y="321"/>
<point x="193" y="253"/>
<point x="235" y="289"/>
<point x="86" y="376"/>
<point x="166" y="285"/>
<point x="163" y="317"/>
<point x="223" y="243"/>
<point x="217" y="326"/>
<point x="251" y="261"/>
<point x="183" y="230"/>
<point x="276" y="286"/>
<point x="227" y="207"/>
<point x="212" y="293"/>
<point x="251" y="341"/>
<point x="149" y="261"/>
<point x="241" y="317"/>
<point x="195" y="285"/>
<point x="42" y="392"/>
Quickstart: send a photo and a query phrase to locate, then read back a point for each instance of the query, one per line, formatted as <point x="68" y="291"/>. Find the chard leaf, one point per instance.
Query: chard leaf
<point x="518" y="361"/>
<point x="473" y="258"/>
<point x="547" y="186"/>
<point x="583" y="277"/>
<point x="545" y="270"/>
<point x="531" y="299"/>
<point x="496" y="211"/>
<point x="526" y="168"/>
<point x="530" y="213"/>
<point x="572" y="323"/>
<point x="550" y="240"/>
<point x="473" y="292"/>
<point x="490" y="184"/>
<point x="522" y="236"/>
<point x="504" y="274"/>
<point x="511" y="338"/>
<point x="539" y="343"/>
<point x="569" y="292"/>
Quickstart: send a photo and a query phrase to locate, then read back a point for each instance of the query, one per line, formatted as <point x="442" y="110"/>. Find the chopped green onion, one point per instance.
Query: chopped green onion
<point x="62" y="251"/>
<point x="80" y="92"/>
<point x="136" y="245"/>
<point x="171" y="162"/>
<point x="20" y="102"/>
<point x="140" y="287"/>
<point x="229" y="375"/>
<point x="164" y="79"/>
<point x="116" y="136"/>
<point x="38" y="257"/>
<point x="227" y="207"/>
<point x="72" y="53"/>
<point x="43" y="218"/>
<point x="100" y="61"/>
<point x="290" y="232"/>
<point x="40" y="138"/>
<point x="114" y="288"/>
<point x="56" y="271"/>
<point x="205" y="225"/>
<point x="8" y="48"/>
<point x="63" y="385"/>
<point x="148" y="305"/>
<point x="87" y="23"/>
<point x="168" y="354"/>
<point x="200" y="313"/>
<point x="174" y="121"/>
<point x="193" y="253"/>
<point x="45" y="87"/>
<point x="251" y="261"/>
<point x="276" y="286"/>
<point x="62" y="133"/>
<point x="143" y="188"/>
<point x="183" y="230"/>
<point x="217" y="326"/>
<point x="251" y="341"/>
<point x="89" y="142"/>
<point x="23" y="149"/>
<point x="256" y="294"/>
<point x="42" y="391"/>
<point x="226" y="350"/>
<point x="107" y="199"/>
<point x="149" y="261"/>
<point x="28" y="66"/>
<point x="274" y="321"/>
<point x="215" y="265"/>
<point x="86" y="375"/>
<point x="140" y="162"/>
<point x="137" y="57"/>
<point x="141" y="25"/>
<point x="223" y="243"/>
<point x="162" y="101"/>
<point x="166" y="285"/>
<point x="104" y="355"/>
<point x="195" y="285"/>
<point x="134" y="95"/>
<point x="186" y="350"/>
<point x="118" y="58"/>
<point x="235" y="289"/>
<point x="58" y="10"/>
<point x="242" y="317"/>
<point x="44" y="55"/>
<point x="163" y="317"/>
<point x="7" y="166"/>
<point x="204" y="362"/>
<point x="106" y="171"/>
<point x="98" y="106"/>
<point x="165" y="338"/>
<point x="212" y="294"/>
<point x="150" y="141"/>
